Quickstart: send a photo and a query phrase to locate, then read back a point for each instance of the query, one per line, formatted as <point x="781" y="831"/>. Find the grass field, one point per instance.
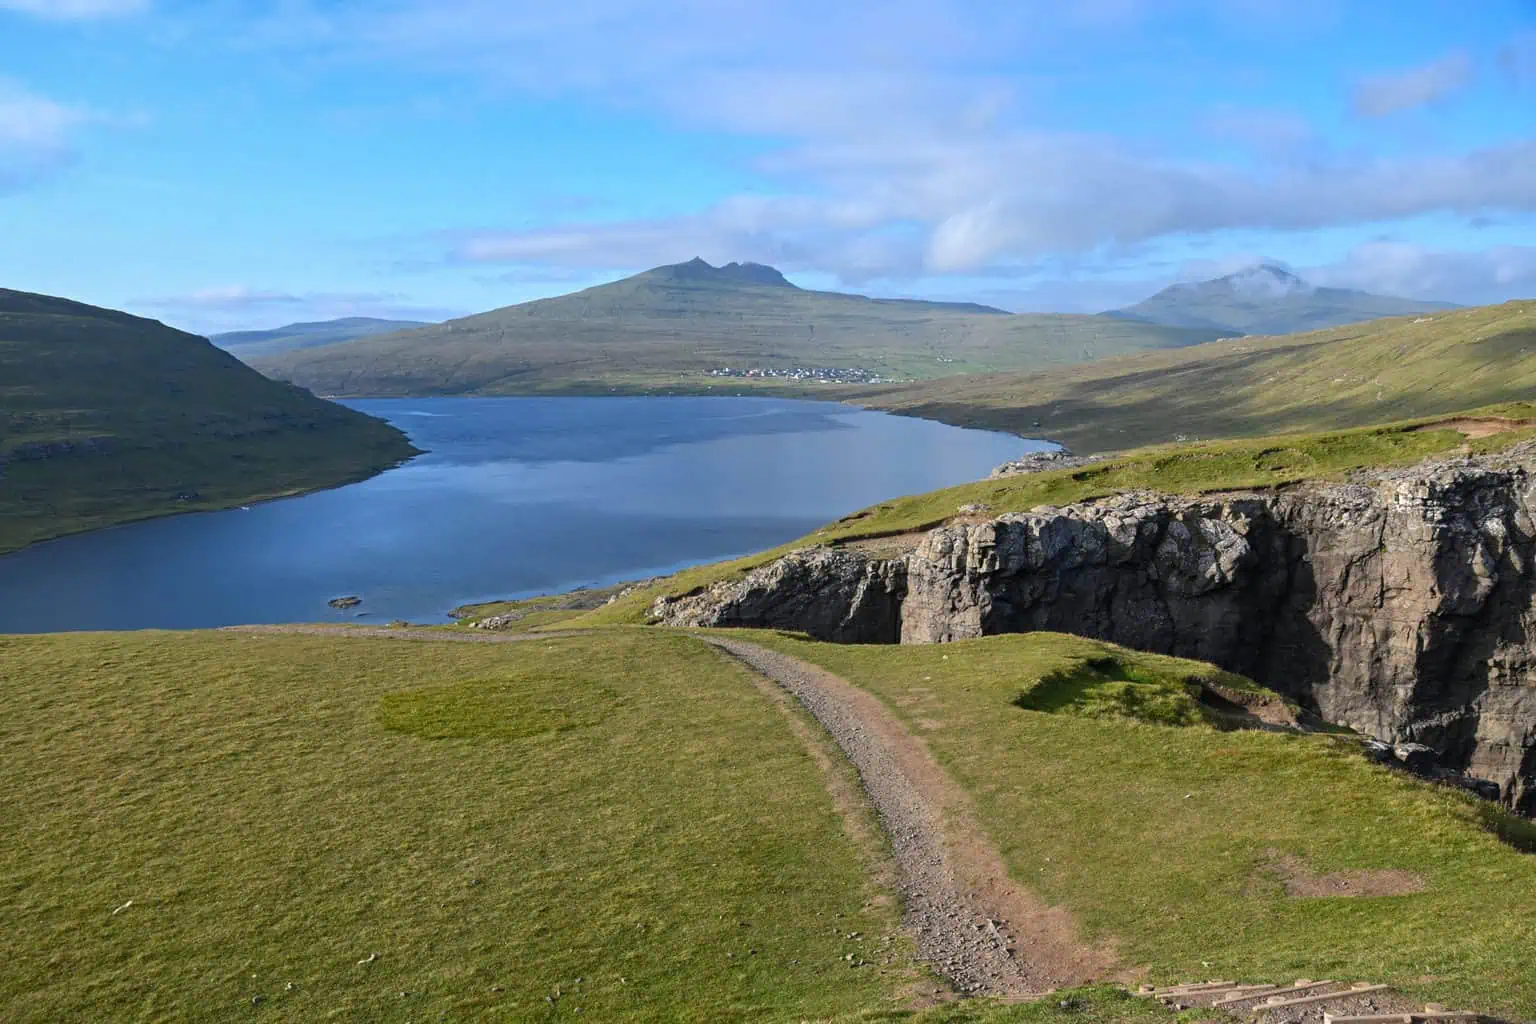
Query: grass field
<point x="1324" y="380"/>
<point x="220" y="826"/>
<point x="495" y="821"/>
<point x="107" y="418"/>
<point x="1192" y="468"/>
<point x="1171" y="839"/>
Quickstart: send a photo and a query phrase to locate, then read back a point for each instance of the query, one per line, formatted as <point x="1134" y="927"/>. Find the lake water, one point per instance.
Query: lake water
<point x="517" y="496"/>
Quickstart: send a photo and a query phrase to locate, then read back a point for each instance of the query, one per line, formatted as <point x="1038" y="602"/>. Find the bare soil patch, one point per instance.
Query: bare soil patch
<point x="971" y="922"/>
<point x="893" y="546"/>
<point x="1474" y="427"/>
<point x="1302" y="883"/>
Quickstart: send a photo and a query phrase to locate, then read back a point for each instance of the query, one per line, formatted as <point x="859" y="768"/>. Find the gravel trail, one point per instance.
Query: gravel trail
<point x="971" y="923"/>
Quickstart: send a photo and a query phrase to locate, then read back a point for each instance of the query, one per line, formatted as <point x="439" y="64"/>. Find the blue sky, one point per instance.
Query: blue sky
<point x="222" y="164"/>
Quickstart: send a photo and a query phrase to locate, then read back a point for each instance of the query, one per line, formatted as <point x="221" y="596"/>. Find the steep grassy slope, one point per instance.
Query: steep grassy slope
<point x="1267" y="299"/>
<point x="621" y="822"/>
<point x="250" y="344"/>
<point x="667" y="328"/>
<point x="106" y="417"/>
<point x="1187" y="843"/>
<point x="1342" y="377"/>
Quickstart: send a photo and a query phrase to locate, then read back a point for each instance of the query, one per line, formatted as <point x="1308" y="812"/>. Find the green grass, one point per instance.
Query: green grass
<point x="495" y="821"/>
<point x="1193" y="468"/>
<point x="1158" y="836"/>
<point x="178" y="425"/>
<point x="1324" y="380"/>
<point x="664" y="330"/>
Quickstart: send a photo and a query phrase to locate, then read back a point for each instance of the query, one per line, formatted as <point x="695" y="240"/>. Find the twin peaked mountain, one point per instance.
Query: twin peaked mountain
<point x="673" y="327"/>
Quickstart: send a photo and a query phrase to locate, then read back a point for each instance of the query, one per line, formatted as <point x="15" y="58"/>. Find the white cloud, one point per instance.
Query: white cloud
<point x="1381" y="95"/>
<point x="36" y="135"/>
<point x="1401" y="268"/>
<point x="961" y="207"/>
<point x="894" y="147"/>
<point x="75" y="10"/>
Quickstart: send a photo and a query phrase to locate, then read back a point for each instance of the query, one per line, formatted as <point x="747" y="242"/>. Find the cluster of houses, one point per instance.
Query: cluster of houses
<point x="813" y="374"/>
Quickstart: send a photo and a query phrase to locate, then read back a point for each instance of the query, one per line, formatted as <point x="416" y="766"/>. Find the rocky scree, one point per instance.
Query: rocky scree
<point x="1401" y="603"/>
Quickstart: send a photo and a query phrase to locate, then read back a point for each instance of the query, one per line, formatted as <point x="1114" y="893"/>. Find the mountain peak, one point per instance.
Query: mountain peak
<point x="1265" y="298"/>
<point x="1267" y="280"/>
<point x="697" y="269"/>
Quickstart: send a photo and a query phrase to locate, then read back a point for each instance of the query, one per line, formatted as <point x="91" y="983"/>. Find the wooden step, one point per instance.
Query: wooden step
<point x="1191" y="988"/>
<point x="1226" y="990"/>
<point x="1429" y="1013"/>
<point x="1359" y="989"/>
<point x="1302" y="985"/>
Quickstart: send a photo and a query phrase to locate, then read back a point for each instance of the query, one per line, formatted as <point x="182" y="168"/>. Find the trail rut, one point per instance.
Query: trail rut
<point x="972" y="924"/>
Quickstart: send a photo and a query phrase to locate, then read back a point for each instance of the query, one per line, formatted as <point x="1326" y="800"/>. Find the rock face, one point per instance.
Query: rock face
<point x="1401" y="604"/>
<point x="834" y="595"/>
<point x="1039" y="462"/>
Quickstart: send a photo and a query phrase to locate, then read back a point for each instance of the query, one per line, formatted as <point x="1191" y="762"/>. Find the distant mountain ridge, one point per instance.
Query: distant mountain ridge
<point x="308" y="335"/>
<point x="671" y="328"/>
<point x="1267" y="299"/>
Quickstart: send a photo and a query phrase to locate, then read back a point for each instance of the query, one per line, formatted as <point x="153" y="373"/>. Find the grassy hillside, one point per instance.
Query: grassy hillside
<point x="1183" y="841"/>
<point x="1267" y="299"/>
<point x="250" y="344"/>
<point x="106" y="417"/>
<point x="1341" y="377"/>
<point x="667" y="328"/>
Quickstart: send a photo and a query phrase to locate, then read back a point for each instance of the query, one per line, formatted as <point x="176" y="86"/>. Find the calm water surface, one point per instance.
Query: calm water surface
<point x="517" y="496"/>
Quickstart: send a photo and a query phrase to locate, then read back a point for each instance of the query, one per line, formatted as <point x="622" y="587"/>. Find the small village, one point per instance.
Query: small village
<point x="813" y="374"/>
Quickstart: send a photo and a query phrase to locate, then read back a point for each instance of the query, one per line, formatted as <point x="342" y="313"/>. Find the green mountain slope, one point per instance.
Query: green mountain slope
<point x="107" y="417"/>
<point x="668" y="328"/>
<point x="248" y="344"/>
<point x="1344" y="376"/>
<point x="1267" y="299"/>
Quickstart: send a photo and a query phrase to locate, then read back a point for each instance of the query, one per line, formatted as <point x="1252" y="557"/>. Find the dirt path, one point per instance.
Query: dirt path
<point x="971" y="923"/>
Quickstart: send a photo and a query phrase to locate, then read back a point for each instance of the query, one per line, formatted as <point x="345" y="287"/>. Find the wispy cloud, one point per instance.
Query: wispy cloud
<point x="36" y="135"/>
<point x="76" y="10"/>
<point x="1518" y="59"/>
<point x="1382" y="95"/>
<point x="898" y="148"/>
<point x="1403" y="268"/>
<point x="906" y="209"/>
<point x="241" y="307"/>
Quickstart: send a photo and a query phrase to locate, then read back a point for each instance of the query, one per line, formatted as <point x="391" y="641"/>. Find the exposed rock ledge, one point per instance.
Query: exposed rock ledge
<point x="1401" y="603"/>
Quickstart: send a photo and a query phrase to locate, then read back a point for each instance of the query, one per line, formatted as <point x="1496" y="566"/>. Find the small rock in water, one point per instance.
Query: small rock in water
<point x="350" y="601"/>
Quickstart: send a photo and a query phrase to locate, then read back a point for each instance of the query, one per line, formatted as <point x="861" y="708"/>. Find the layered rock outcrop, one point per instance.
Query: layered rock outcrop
<point x="1401" y="604"/>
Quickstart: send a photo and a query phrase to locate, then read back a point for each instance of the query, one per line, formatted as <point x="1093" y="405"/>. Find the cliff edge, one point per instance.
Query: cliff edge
<point x="1400" y="603"/>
